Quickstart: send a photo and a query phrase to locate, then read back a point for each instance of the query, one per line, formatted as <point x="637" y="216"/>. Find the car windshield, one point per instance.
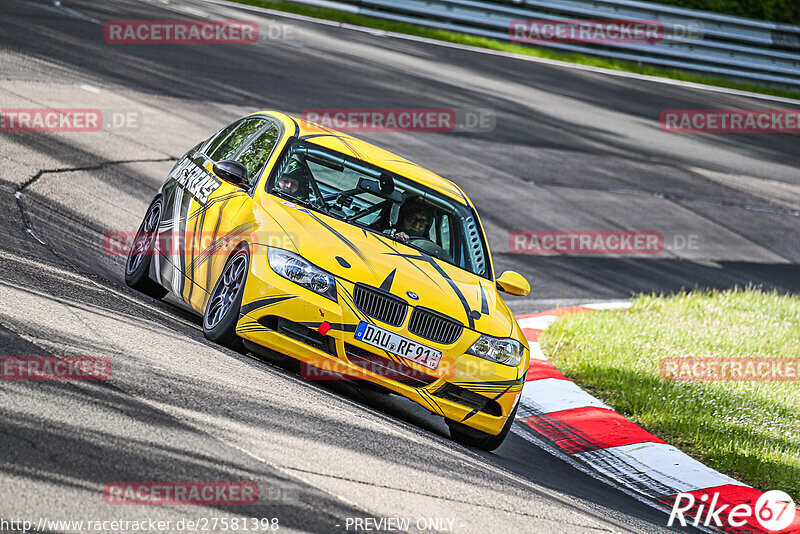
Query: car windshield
<point x="369" y="197"/>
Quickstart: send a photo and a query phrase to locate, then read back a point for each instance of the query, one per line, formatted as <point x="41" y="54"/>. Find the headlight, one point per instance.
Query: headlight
<point x="295" y="268"/>
<point x="506" y="351"/>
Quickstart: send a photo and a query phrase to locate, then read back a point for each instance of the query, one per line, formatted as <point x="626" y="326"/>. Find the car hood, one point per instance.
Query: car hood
<point x="358" y="255"/>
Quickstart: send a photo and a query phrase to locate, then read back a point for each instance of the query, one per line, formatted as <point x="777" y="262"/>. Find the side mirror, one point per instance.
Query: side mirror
<point x="232" y="172"/>
<point x="513" y="284"/>
<point x="380" y="187"/>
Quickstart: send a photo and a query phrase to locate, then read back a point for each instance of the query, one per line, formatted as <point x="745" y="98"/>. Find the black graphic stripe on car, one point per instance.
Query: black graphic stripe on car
<point x="263" y="303"/>
<point x="476" y="410"/>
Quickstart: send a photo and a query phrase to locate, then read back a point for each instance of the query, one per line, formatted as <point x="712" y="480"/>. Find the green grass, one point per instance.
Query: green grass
<point x="493" y="44"/>
<point x="748" y="430"/>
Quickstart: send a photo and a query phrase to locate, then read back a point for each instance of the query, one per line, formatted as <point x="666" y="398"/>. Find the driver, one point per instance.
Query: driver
<point x="414" y="220"/>
<point x="293" y="181"/>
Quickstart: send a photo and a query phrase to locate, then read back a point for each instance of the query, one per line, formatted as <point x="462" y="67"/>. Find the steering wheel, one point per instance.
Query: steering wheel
<point x="425" y="244"/>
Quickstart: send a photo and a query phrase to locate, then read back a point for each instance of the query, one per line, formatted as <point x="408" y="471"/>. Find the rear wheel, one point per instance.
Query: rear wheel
<point x="137" y="268"/>
<point x="461" y="433"/>
<point x="225" y="302"/>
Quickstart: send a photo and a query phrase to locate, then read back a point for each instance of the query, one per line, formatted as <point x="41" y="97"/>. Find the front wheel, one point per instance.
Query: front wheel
<point x="225" y="302"/>
<point x="137" y="267"/>
<point x="461" y="433"/>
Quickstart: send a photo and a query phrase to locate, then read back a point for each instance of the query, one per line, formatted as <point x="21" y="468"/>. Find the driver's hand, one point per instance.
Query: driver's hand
<point x="400" y="236"/>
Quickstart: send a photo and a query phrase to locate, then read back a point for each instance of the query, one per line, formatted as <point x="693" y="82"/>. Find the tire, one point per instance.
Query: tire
<point x="225" y="302"/>
<point x="137" y="266"/>
<point x="469" y="437"/>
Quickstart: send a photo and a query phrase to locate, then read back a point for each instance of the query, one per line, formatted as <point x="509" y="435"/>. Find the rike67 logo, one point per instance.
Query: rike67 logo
<point x="774" y="511"/>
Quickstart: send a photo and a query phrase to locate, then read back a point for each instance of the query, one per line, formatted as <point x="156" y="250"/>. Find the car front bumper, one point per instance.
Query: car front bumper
<point x="280" y="315"/>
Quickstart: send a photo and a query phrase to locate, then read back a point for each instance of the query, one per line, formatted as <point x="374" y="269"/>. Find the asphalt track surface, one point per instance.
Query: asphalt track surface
<point x="571" y="150"/>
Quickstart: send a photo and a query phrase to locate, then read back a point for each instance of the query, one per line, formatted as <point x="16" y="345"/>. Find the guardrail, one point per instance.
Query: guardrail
<point x="692" y="40"/>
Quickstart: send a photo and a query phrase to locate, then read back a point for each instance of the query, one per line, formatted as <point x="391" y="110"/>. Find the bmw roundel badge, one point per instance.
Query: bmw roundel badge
<point x="412" y="295"/>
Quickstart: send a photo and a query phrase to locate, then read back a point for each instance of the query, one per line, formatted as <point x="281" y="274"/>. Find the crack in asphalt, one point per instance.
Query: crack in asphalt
<point x="35" y="178"/>
<point x="83" y="276"/>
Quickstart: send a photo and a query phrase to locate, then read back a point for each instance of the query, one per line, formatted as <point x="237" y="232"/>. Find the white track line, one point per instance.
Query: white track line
<point x="536" y="352"/>
<point x="658" y="461"/>
<point x="609" y="306"/>
<point x="538" y="323"/>
<point x="554" y="395"/>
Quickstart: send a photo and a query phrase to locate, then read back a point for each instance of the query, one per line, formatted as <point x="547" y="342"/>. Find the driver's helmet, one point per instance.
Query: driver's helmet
<point x="293" y="179"/>
<point x="414" y="208"/>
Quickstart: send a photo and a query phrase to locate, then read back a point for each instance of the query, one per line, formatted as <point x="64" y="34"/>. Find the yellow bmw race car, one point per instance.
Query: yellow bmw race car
<point x="348" y="258"/>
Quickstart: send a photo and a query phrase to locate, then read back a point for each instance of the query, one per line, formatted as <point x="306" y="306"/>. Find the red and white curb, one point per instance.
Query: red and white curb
<point x="588" y="431"/>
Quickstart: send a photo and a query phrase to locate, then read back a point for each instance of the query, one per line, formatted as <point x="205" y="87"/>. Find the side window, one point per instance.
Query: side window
<point x="444" y="232"/>
<point x="221" y="136"/>
<point x="227" y="149"/>
<point x="255" y="156"/>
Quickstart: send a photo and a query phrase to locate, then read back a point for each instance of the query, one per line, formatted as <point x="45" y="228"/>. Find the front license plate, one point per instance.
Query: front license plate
<point x="398" y="345"/>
